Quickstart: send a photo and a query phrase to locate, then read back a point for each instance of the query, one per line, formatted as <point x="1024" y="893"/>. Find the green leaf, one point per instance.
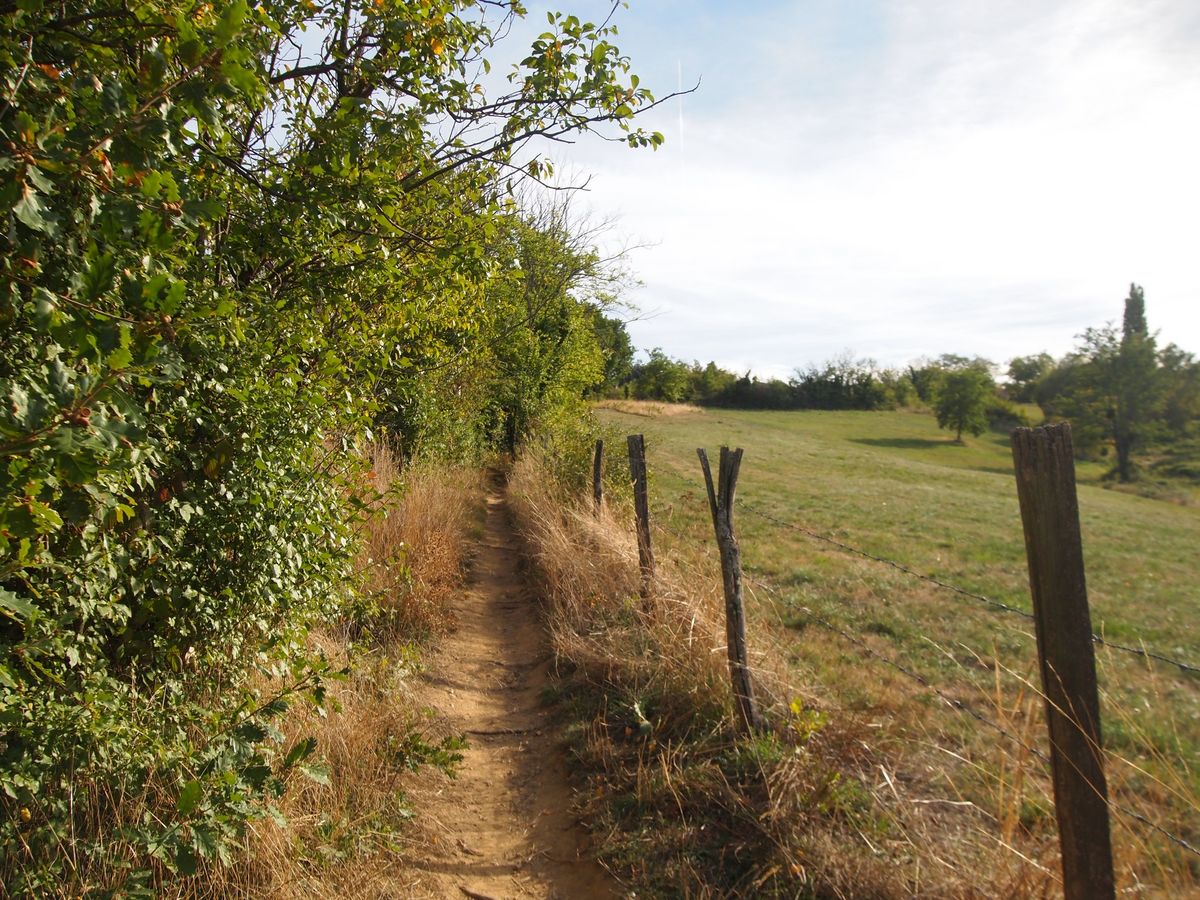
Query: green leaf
<point x="185" y="860"/>
<point x="31" y="212"/>
<point x="230" y="22"/>
<point x="206" y="841"/>
<point x="97" y="278"/>
<point x="300" y="750"/>
<point x="189" y="797"/>
<point x="170" y="301"/>
<point x="15" y="606"/>
<point x="251" y="732"/>
<point x="120" y="358"/>
<point x="44" y="516"/>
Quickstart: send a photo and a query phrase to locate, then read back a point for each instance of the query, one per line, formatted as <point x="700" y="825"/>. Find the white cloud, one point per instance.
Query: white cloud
<point x="963" y="177"/>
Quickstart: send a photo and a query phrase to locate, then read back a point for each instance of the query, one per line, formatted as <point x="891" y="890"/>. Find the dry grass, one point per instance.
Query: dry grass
<point x="651" y="409"/>
<point x="814" y="807"/>
<point x="348" y="838"/>
<point x="891" y="484"/>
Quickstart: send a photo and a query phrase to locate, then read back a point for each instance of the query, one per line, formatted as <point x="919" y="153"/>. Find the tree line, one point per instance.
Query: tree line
<point x="1123" y="393"/>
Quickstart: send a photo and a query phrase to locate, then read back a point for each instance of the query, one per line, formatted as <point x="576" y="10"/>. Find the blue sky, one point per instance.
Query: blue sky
<point x="906" y="177"/>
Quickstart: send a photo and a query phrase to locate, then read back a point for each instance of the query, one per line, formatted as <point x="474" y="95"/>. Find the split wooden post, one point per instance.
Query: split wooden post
<point x="720" y="501"/>
<point x="1045" y="467"/>
<point x="597" y="471"/>
<point x="641" y="505"/>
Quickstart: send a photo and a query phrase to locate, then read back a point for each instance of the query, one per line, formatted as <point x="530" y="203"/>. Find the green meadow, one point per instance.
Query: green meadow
<point x="895" y="486"/>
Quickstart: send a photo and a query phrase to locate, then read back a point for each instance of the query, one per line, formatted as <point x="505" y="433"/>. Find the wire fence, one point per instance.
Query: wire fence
<point x="959" y="706"/>
<point x="1099" y="640"/>
<point x="908" y="672"/>
<point x="1143" y="652"/>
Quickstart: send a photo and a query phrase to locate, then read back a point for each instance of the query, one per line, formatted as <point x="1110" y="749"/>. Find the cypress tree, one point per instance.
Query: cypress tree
<point x="1134" y="324"/>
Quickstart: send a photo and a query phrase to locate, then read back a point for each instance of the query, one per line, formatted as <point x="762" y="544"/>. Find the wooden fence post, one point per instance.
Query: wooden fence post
<point x="641" y="504"/>
<point x="720" y="502"/>
<point x="597" y="471"/>
<point x="1045" y="468"/>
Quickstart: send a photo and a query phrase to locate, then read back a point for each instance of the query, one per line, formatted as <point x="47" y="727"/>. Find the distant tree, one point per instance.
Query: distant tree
<point x="926" y="375"/>
<point x="961" y="400"/>
<point x="1114" y="391"/>
<point x="841" y="383"/>
<point x="660" y="378"/>
<point x="1024" y="374"/>
<point x="897" y="387"/>
<point x="613" y="338"/>
<point x="1133" y="323"/>
<point x="709" y="382"/>
<point x="1137" y="385"/>
<point x="748" y="392"/>
<point x="923" y="376"/>
<point x="1181" y="389"/>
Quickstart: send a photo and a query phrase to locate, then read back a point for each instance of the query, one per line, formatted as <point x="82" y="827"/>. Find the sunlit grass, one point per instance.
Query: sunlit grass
<point x="895" y="486"/>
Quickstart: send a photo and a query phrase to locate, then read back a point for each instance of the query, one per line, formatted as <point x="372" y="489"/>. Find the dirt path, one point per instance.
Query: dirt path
<point x="504" y="825"/>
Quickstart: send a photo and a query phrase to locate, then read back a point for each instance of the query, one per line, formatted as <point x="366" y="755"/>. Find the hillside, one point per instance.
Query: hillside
<point x="893" y="486"/>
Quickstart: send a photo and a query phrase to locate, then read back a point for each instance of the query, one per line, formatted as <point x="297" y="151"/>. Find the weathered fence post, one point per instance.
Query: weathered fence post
<point x="720" y="502"/>
<point x="1045" y="468"/>
<point x="641" y="505"/>
<point x="597" y="471"/>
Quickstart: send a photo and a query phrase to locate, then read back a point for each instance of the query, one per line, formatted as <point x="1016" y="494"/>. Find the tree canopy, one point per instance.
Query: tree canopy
<point x="961" y="400"/>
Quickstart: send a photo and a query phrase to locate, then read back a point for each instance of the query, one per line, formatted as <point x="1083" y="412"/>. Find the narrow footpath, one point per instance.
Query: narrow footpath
<point x="503" y="827"/>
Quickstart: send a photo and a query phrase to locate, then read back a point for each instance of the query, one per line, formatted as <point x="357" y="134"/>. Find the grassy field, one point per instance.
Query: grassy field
<point x="896" y="487"/>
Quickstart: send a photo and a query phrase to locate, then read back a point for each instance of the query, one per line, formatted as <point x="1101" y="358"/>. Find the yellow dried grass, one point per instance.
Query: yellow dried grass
<point x="349" y="838"/>
<point x="651" y="409"/>
<point x="785" y="822"/>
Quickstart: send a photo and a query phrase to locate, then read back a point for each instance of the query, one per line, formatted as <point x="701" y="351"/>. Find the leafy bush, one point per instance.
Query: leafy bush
<point x="219" y="268"/>
<point x="1004" y="415"/>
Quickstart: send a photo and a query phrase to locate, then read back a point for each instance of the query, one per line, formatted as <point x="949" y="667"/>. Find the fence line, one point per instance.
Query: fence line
<point x="959" y="706"/>
<point x="902" y="669"/>
<point x="998" y="604"/>
<point x="1099" y="640"/>
<point x="866" y="649"/>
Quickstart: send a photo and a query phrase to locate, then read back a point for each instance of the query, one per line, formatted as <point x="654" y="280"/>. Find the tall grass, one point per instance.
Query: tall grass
<point x="348" y="831"/>
<point x="891" y="484"/>
<point x="682" y="803"/>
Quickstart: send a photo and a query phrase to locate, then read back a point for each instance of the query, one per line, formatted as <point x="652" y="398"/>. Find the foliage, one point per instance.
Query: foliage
<point x="962" y="399"/>
<point x="1180" y="374"/>
<point x="1024" y="373"/>
<point x="842" y="383"/>
<point x="926" y="375"/>
<point x="226" y="252"/>
<point x="751" y="392"/>
<point x="1004" y="415"/>
<point x="1113" y="389"/>
<point x="710" y="382"/>
<point x="616" y="347"/>
<point x="660" y="378"/>
<point x="541" y="338"/>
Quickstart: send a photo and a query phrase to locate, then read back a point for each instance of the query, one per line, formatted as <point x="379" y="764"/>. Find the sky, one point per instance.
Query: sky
<point x="903" y="178"/>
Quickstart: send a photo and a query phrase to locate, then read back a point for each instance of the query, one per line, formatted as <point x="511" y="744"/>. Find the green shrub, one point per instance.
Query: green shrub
<point x="218" y="272"/>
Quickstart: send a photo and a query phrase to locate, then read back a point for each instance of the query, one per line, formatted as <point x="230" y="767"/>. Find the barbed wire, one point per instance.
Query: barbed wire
<point x="920" y="679"/>
<point x="924" y="682"/>
<point x="1099" y="640"/>
<point x="998" y="604"/>
<point x="958" y="705"/>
